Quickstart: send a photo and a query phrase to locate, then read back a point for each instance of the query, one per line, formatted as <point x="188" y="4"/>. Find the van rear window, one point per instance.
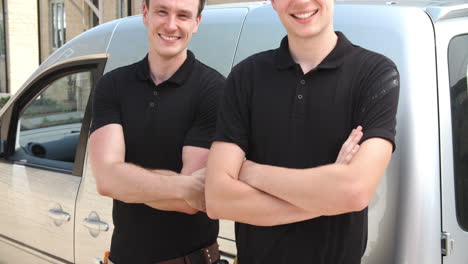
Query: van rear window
<point x="458" y="71"/>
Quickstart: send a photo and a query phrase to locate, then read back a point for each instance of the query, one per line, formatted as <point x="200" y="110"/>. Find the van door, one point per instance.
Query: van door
<point x="42" y="132"/>
<point x="452" y="59"/>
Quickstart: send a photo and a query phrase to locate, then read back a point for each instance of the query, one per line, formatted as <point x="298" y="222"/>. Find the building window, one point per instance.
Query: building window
<point x="93" y="18"/>
<point x="57" y="11"/>
<point x="121" y="8"/>
<point x="3" y="64"/>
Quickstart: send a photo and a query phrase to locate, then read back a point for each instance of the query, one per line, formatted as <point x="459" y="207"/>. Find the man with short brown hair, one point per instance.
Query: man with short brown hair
<point x="153" y="122"/>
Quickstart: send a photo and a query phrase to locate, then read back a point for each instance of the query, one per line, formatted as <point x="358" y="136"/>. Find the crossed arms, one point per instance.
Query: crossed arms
<point x="242" y="190"/>
<point x="184" y="192"/>
<point x="160" y="189"/>
<point x="263" y="195"/>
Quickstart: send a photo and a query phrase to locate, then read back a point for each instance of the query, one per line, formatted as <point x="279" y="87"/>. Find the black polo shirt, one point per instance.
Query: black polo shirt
<point x="280" y="116"/>
<point x="157" y="122"/>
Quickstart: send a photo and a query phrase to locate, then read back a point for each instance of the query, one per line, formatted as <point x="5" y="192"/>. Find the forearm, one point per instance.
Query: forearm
<point x="329" y="189"/>
<point x="177" y="205"/>
<point x="133" y="184"/>
<point x="234" y="200"/>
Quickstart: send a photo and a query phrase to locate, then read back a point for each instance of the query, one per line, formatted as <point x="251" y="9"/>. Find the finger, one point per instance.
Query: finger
<point x="348" y="140"/>
<point x="355" y="149"/>
<point x="349" y="157"/>
<point x="356" y="138"/>
<point x="352" y="140"/>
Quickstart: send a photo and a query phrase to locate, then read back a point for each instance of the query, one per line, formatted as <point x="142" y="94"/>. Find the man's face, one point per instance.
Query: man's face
<point x="170" y="24"/>
<point x="305" y="18"/>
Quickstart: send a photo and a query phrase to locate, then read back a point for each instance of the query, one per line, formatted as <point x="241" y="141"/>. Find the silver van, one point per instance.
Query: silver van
<point x="50" y="211"/>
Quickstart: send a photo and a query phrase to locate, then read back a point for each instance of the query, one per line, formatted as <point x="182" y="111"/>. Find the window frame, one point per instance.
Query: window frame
<point x="12" y="115"/>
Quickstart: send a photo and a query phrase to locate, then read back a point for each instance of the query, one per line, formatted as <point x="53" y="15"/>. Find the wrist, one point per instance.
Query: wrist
<point x="182" y="190"/>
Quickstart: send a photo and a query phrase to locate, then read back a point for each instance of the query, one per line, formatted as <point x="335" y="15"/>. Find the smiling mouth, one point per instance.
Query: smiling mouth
<point x="305" y="15"/>
<point x="170" y="38"/>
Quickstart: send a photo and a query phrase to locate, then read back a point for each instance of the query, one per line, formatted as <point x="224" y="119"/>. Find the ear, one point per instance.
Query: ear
<point x="273" y="4"/>
<point x="197" y="24"/>
<point x="145" y="14"/>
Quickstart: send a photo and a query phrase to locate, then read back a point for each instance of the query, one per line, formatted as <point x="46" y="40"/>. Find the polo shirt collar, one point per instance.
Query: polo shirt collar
<point x="179" y="77"/>
<point x="333" y="60"/>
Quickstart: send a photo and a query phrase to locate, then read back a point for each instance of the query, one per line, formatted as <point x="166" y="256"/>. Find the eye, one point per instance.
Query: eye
<point x="161" y="12"/>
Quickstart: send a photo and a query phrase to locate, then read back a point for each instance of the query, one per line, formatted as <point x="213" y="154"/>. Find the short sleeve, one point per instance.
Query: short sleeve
<point x="233" y="123"/>
<point x="378" y="102"/>
<point x="203" y="128"/>
<point x="106" y="109"/>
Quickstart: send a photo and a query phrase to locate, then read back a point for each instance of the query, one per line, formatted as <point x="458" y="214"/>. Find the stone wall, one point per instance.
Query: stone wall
<point x="22" y="41"/>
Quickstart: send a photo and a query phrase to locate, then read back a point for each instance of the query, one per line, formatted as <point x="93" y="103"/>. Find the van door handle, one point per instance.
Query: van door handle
<point x="58" y="214"/>
<point x="95" y="224"/>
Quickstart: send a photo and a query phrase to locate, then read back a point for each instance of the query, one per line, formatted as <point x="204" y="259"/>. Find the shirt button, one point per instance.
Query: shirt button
<point x="152" y="104"/>
<point x="300" y="97"/>
<point x="302" y="82"/>
<point x="155" y="93"/>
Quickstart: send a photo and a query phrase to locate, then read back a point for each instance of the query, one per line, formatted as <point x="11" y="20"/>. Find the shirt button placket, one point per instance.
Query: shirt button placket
<point x="152" y="104"/>
<point x="301" y="90"/>
<point x="299" y="108"/>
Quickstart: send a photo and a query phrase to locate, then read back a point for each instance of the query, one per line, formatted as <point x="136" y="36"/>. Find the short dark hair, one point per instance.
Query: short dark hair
<point x="201" y="5"/>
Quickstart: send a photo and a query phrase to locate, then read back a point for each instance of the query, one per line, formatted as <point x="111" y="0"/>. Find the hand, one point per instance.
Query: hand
<point x="195" y="190"/>
<point x="247" y="171"/>
<point x="350" y="147"/>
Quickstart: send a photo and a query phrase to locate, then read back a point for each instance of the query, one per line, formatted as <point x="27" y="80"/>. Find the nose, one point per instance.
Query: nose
<point x="171" y="24"/>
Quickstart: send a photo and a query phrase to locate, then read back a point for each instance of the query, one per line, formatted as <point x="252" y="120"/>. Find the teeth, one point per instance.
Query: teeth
<point x="168" y="38"/>
<point x="304" y="15"/>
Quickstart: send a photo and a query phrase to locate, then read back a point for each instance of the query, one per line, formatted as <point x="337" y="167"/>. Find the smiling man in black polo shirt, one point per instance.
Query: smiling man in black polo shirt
<point x="153" y="123"/>
<point x="287" y="111"/>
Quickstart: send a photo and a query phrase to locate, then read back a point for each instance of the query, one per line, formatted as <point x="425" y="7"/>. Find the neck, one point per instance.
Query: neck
<point x="310" y="52"/>
<point x="162" y="68"/>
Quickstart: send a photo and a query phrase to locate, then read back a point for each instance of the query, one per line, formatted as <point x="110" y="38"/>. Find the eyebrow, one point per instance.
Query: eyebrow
<point x="183" y="11"/>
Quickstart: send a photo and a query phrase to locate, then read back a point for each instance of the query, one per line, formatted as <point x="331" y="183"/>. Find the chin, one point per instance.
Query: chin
<point x="169" y="53"/>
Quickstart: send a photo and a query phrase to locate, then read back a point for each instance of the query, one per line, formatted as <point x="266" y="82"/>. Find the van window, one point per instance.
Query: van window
<point x="458" y="71"/>
<point x="49" y="126"/>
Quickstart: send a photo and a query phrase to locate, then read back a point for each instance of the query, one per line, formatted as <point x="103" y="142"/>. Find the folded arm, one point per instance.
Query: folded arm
<point x="127" y="182"/>
<point x="229" y="198"/>
<point x="331" y="189"/>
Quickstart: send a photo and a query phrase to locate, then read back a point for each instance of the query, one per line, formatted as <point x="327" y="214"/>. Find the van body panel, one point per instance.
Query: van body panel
<point x="406" y="36"/>
<point x="29" y="194"/>
<point x="262" y="31"/>
<point x="220" y="29"/>
<point x="446" y="30"/>
<point x="10" y="250"/>
<point x="90" y="243"/>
